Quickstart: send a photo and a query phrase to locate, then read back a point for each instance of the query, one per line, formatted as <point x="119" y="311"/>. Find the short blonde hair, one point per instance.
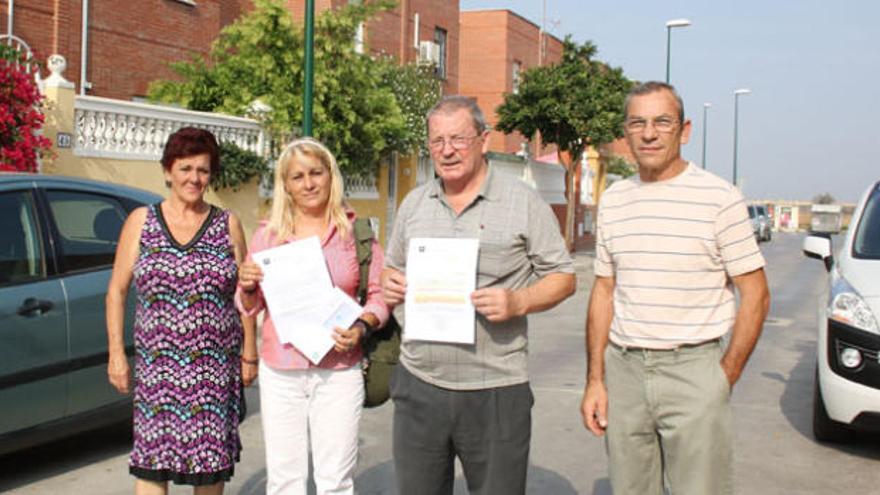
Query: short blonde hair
<point x="281" y="216"/>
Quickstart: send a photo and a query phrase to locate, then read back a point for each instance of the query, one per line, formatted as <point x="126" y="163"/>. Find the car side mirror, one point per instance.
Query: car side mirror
<point x="819" y="247"/>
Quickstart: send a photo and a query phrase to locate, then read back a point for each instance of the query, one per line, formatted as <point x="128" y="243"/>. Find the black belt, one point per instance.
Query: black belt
<point x="682" y="346"/>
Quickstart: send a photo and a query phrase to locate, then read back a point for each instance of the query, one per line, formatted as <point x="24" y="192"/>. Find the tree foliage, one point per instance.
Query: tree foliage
<point x="417" y="89"/>
<point x="619" y="166"/>
<point x="21" y="118"/>
<point x="573" y="104"/>
<point x="824" y="199"/>
<point x="356" y="112"/>
<point x="238" y="166"/>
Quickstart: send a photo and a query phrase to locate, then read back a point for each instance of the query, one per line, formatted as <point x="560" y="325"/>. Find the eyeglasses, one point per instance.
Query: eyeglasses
<point x="660" y="124"/>
<point x="457" y="142"/>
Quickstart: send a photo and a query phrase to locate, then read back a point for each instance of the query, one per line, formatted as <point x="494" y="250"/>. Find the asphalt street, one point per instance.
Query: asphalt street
<point x="775" y="451"/>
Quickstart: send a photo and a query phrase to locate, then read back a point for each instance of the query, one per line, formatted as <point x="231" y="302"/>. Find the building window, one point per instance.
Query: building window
<point x="440" y="39"/>
<point x="515" y="75"/>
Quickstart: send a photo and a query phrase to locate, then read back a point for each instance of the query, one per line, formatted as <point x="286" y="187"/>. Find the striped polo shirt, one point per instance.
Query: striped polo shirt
<point x="673" y="247"/>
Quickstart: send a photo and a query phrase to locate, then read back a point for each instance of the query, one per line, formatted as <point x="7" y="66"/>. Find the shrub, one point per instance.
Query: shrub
<point x="21" y="118"/>
<point x="237" y="166"/>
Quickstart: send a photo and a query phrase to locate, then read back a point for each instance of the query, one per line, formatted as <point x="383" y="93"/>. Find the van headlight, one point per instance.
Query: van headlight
<point x="848" y="307"/>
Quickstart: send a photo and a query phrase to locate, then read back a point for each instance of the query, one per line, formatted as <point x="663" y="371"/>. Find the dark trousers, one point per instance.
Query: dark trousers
<point x="489" y="430"/>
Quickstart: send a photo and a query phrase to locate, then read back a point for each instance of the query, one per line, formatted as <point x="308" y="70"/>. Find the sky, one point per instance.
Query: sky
<point x="811" y="65"/>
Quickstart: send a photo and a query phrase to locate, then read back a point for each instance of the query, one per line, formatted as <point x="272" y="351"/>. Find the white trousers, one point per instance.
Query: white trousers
<point x="317" y="410"/>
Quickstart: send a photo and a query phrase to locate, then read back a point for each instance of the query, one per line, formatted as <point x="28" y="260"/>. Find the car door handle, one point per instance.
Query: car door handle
<point x="32" y="306"/>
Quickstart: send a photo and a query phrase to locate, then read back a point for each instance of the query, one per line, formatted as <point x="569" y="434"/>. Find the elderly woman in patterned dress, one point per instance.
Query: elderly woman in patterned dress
<point x="183" y="256"/>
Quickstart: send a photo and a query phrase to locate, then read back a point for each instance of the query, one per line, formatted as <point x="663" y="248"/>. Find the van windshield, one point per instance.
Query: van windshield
<point x="867" y="240"/>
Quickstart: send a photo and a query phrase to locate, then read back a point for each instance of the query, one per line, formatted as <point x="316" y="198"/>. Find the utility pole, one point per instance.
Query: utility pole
<point x="309" y="69"/>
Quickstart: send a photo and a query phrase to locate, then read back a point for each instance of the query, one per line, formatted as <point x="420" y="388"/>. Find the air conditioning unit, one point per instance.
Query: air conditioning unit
<point x="429" y="53"/>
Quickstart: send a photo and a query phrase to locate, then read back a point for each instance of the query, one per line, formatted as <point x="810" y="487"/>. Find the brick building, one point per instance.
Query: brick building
<point x="496" y="46"/>
<point x="130" y="44"/>
<point x="400" y="32"/>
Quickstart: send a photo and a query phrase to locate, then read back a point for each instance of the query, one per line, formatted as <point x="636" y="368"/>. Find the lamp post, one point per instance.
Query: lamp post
<point x="736" y="94"/>
<point x="674" y="23"/>
<point x="705" y="124"/>
<point x="309" y="69"/>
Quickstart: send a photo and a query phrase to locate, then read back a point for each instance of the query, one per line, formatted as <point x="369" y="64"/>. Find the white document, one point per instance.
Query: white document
<point x="305" y="306"/>
<point x="441" y="274"/>
<point x="345" y="311"/>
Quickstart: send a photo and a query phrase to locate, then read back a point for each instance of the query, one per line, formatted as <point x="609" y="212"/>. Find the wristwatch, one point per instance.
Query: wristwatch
<point x="366" y="328"/>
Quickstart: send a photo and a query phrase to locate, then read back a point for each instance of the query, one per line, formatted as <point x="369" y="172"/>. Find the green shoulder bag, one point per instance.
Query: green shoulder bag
<point x="382" y="346"/>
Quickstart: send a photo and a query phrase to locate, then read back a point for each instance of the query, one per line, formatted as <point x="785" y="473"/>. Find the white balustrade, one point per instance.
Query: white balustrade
<point x="125" y="130"/>
<point x="361" y="188"/>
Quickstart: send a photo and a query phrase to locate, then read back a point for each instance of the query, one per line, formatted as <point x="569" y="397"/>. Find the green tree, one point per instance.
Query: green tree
<point x="619" y="166"/>
<point x="573" y="104"/>
<point x="417" y="89"/>
<point x="824" y="199"/>
<point x="356" y="111"/>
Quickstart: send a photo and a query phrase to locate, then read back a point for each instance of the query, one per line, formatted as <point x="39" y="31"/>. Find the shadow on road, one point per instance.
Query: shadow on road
<point x="602" y="487"/>
<point x="28" y="466"/>
<point x="24" y="467"/>
<point x="797" y="404"/>
<point x="379" y="480"/>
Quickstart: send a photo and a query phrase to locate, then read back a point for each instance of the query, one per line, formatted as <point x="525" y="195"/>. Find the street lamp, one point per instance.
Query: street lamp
<point x="705" y="123"/>
<point x="309" y="66"/>
<point x="674" y="23"/>
<point x="736" y="94"/>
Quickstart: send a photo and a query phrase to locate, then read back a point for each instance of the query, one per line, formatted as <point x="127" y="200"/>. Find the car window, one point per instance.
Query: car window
<point x="866" y="243"/>
<point x="21" y="251"/>
<point x="88" y="226"/>
<point x="751" y="212"/>
<point x="761" y="211"/>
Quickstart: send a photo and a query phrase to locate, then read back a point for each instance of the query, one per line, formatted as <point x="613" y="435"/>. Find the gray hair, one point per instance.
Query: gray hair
<point x="652" y="87"/>
<point x="453" y="103"/>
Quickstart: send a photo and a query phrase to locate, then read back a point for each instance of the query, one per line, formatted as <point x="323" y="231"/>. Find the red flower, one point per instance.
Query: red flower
<point x="21" y="118"/>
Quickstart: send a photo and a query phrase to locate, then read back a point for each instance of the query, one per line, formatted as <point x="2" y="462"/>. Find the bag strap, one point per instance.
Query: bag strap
<point x="363" y="238"/>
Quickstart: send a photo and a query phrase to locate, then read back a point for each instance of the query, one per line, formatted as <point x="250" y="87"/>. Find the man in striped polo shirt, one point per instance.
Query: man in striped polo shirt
<point x="673" y="244"/>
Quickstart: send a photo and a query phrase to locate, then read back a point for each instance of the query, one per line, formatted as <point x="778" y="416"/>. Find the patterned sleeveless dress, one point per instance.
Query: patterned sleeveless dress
<point x="187" y="334"/>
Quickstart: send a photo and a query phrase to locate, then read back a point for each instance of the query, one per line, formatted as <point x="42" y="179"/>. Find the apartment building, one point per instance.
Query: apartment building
<point x="496" y="47"/>
<point x="128" y="44"/>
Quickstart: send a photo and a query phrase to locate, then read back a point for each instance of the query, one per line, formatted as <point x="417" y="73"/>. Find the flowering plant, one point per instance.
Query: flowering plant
<point x="20" y="115"/>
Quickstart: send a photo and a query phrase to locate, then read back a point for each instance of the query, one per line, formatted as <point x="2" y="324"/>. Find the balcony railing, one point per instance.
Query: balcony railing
<point x="110" y="128"/>
<point x="361" y="188"/>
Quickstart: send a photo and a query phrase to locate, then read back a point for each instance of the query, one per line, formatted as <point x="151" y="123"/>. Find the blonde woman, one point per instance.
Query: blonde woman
<point x="304" y="406"/>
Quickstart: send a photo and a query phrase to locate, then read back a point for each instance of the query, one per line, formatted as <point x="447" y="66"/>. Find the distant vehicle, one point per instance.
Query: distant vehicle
<point x="825" y="219"/>
<point x="846" y="393"/>
<point x="760" y="222"/>
<point x="58" y="237"/>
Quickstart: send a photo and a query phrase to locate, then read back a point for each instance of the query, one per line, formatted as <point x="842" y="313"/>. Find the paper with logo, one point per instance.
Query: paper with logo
<point x="441" y="274"/>
<point x="301" y="297"/>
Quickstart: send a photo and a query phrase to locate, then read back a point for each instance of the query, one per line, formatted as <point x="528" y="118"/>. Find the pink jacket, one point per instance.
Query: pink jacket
<point x="342" y="264"/>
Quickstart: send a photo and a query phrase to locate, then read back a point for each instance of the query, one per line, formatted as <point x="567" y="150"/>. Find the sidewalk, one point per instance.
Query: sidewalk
<point x="564" y="457"/>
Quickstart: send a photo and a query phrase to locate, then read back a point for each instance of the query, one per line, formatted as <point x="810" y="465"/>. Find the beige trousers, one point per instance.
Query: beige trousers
<point x="669" y="421"/>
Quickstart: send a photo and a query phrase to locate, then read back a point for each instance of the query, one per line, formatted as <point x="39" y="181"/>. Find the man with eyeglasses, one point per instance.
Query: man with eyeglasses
<point x="473" y="401"/>
<point x="672" y="244"/>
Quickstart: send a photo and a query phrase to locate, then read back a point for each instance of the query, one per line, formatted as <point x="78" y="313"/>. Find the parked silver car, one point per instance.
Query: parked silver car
<point x="58" y="238"/>
<point x="760" y="222"/>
